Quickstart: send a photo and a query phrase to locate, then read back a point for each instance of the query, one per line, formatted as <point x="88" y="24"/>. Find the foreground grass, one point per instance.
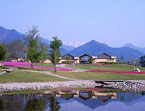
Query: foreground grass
<point x="115" y="67"/>
<point x="36" y="69"/>
<point x="102" y="76"/>
<point x="24" y="76"/>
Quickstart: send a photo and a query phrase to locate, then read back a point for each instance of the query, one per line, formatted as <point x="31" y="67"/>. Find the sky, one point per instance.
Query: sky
<point x="114" y="22"/>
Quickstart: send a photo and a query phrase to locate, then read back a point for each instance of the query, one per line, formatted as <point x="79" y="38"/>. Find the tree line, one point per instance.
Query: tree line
<point x="33" y="49"/>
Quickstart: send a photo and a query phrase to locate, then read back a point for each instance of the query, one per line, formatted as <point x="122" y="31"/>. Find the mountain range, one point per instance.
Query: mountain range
<point x="134" y="47"/>
<point x="95" y="48"/>
<point x="92" y="48"/>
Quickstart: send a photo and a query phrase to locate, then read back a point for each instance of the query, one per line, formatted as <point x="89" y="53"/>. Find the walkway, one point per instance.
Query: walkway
<point x="52" y="74"/>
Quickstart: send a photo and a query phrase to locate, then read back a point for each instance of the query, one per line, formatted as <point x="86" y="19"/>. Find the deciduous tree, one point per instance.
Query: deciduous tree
<point x="55" y="51"/>
<point x="15" y="49"/>
<point x="32" y="40"/>
<point x="43" y="53"/>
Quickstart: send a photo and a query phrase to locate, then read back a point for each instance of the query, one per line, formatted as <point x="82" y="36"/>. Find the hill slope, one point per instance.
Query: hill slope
<point x="134" y="47"/>
<point x="7" y="36"/>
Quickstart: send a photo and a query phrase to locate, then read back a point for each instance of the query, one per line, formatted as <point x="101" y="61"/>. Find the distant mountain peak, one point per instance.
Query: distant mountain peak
<point x="129" y="45"/>
<point x="93" y="41"/>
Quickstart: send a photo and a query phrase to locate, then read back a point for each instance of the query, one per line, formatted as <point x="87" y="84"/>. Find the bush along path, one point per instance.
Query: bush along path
<point x="27" y="64"/>
<point x="107" y="71"/>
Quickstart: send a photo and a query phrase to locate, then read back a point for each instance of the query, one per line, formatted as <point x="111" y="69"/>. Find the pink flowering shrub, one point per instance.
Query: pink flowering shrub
<point x="27" y="64"/>
<point x="107" y="71"/>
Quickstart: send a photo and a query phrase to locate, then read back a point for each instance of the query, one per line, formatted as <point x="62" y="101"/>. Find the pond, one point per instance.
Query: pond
<point x="77" y="101"/>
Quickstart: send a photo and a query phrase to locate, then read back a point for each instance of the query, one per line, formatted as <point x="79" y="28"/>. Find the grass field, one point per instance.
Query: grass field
<point x="114" y="67"/>
<point x="48" y="65"/>
<point x="102" y="76"/>
<point x="36" y="69"/>
<point x="24" y="76"/>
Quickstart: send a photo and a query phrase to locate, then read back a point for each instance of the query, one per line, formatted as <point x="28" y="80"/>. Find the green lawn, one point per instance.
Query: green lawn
<point x="36" y="69"/>
<point x="102" y="76"/>
<point x="48" y="65"/>
<point x="24" y="76"/>
<point x="115" y="67"/>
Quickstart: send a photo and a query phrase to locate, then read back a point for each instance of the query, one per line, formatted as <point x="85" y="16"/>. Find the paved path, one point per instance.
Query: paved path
<point x="73" y="69"/>
<point x="52" y="74"/>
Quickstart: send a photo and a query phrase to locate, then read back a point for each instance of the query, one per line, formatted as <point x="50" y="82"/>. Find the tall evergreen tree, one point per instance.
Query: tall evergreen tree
<point x="142" y="61"/>
<point x="32" y="40"/>
<point x="55" y="51"/>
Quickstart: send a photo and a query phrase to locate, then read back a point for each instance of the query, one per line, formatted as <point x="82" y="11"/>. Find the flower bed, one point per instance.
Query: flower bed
<point x="107" y="71"/>
<point x="28" y="64"/>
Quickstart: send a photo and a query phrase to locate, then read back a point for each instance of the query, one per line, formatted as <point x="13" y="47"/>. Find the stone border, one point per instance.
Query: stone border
<point x="47" y="85"/>
<point x="135" y="86"/>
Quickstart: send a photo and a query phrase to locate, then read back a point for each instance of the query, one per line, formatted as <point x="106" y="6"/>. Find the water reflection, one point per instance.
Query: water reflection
<point x="85" y="100"/>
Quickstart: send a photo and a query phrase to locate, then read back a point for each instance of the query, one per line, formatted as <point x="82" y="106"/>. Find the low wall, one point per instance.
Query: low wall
<point x="47" y="85"/>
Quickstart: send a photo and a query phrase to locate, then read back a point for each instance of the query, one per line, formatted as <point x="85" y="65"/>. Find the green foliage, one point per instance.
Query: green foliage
<point x="32" y="40"/>
<point x="55" y="51"/>
<point x="3" y="52"/>
<point x="142" y="61"/>
<point x="43" y="53"/>
<point x="90" y="60"/>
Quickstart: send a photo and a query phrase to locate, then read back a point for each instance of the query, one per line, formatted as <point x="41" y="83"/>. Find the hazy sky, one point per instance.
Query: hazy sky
<point x="114" y="22"/>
